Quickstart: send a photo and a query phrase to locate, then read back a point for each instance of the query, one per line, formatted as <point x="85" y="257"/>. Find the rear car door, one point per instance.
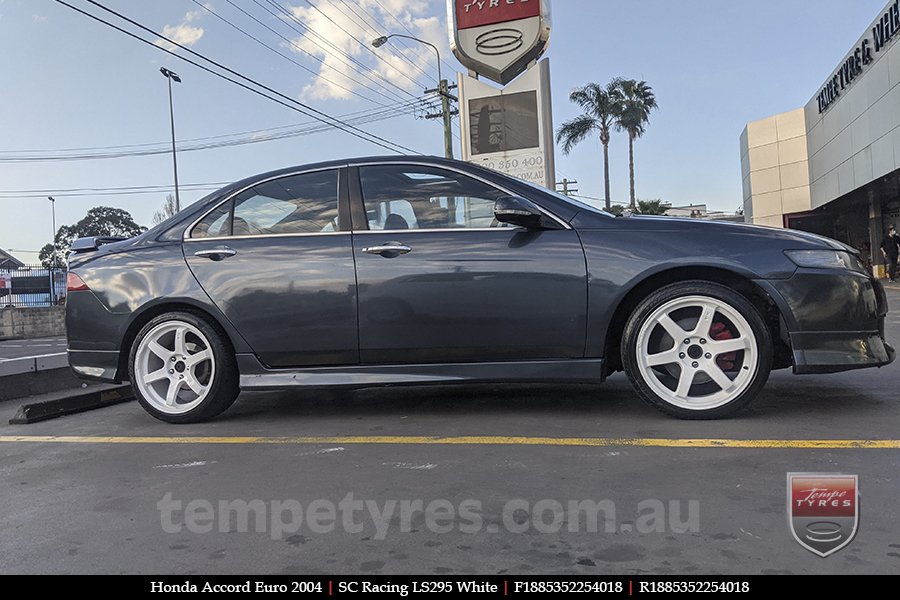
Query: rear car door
<point x="460" y="287"/>
<point x="277" y="259"/>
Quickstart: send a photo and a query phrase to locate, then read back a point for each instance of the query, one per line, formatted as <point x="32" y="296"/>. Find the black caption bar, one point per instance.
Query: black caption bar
<point x="404" y="586"/>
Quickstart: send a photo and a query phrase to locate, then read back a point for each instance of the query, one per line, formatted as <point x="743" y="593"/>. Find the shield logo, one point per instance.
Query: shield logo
<point x="498" y="39"/>
<point x="823" y="510"/>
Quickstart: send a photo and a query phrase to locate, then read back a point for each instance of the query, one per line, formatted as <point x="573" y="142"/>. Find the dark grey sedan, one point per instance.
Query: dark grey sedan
<point x="391" y="271"/>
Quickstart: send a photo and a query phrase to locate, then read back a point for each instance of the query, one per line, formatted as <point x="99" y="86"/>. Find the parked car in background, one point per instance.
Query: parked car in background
<point x="402" y="270"/>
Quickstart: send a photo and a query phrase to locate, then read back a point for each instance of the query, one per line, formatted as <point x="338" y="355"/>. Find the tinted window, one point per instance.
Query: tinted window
<point x="215" y="224"/>
<point x="305" y="203"/>
<point x="399" y="197"/>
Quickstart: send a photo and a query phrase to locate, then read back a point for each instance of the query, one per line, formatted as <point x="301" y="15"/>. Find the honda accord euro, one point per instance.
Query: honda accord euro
<point x="391" y="271"/>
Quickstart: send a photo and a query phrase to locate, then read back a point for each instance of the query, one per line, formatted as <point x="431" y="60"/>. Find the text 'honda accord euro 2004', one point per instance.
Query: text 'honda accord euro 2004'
<point x="390" y="271"/>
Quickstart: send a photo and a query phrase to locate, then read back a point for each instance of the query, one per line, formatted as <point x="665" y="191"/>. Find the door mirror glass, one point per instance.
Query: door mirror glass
<point x="517" y="211"/>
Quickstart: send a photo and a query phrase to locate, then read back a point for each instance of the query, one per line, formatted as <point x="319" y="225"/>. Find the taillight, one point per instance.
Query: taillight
<point x="74" y="283"/>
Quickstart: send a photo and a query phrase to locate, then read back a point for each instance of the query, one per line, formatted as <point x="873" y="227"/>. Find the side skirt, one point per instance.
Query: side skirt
<point x="254" y="376"/>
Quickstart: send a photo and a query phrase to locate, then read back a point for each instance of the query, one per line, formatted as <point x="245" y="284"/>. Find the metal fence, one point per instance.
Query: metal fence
<point x="32" y="286"/>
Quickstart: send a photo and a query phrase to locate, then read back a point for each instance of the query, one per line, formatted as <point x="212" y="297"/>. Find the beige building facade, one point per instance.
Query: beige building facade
<point x="833" y="166"/>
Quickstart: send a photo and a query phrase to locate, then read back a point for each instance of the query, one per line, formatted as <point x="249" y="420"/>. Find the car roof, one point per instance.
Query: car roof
<point x="389" y="158"/>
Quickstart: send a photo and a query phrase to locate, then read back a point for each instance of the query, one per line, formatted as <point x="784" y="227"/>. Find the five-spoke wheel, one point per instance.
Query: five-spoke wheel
<point x="697" y="350"/>
<point x="182" y="369"/>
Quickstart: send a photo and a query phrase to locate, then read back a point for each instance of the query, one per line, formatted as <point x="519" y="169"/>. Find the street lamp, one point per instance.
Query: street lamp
<point x="173" y="76"/>
<point x="443" y="88"/>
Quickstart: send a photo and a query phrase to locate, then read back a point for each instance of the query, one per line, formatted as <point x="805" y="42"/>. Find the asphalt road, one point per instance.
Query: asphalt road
<point x="21" y="348"/>
<point x="92" y="505"/>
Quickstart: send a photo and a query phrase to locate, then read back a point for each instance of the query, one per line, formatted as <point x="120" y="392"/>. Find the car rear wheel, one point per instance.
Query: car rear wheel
<point x="182" y="369"/>
<point x="697" y="350"/>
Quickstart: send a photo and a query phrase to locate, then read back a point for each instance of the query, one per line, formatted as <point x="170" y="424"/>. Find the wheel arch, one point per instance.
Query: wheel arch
<point x="738" y="282"/>
<point x="149" y="312"/>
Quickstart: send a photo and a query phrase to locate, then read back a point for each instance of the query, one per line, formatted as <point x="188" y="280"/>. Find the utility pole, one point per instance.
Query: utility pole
<point x="173" y="76"/>
<point x="566" y="190"/>
<point x="446" y="114"/>
<point x="443" y="90"/>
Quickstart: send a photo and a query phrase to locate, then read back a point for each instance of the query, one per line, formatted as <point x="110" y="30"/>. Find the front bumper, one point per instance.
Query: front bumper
<point x="836" y="351"/>
<point x="833" y="320"/>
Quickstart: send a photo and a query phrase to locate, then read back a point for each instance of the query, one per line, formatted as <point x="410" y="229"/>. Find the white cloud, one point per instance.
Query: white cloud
<point x="403" y="63"/>
<point x="38" y="19"/>
<point x="196" y="14"/>
<point x="183" y="33"/>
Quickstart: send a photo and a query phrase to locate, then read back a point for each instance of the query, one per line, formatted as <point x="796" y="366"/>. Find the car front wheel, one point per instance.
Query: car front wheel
<point x="697" y="350"/>
<point x="182" y="369"/>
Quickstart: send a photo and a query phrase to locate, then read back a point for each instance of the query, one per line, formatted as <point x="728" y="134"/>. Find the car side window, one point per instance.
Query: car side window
<point x="215" y="224"/>
<point x="299" y="204"/>
<point x="400" y="197"/>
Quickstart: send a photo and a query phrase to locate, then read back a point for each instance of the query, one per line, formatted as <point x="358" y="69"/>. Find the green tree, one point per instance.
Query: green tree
<point x="99" y="221"/>
<point x="653" y="207"/>
<point x="601" y="105"/>
<point x="637" y="101"/>
<point x="166" y="211"/>
<point x="616" y="209"/>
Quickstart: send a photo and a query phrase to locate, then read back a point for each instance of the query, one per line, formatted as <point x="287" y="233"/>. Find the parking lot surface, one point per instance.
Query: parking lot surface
<point x="19" y="348"/>
<point x="114" y="491"/>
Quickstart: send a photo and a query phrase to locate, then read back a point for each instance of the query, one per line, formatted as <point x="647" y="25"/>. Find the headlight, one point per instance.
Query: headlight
<point x="826" y="259"/>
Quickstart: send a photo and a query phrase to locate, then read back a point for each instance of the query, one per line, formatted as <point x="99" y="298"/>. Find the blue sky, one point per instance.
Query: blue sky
<point x="68" y="82"/>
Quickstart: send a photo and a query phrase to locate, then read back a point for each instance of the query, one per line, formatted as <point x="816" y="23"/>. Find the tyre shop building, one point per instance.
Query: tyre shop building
<point x="833" y="167"/>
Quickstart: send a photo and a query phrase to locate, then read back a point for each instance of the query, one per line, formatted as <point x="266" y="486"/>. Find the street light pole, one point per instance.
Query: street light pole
<point x="170" y="77"/>
<point x="53" y="255"/>
<point x="443" y="89"/>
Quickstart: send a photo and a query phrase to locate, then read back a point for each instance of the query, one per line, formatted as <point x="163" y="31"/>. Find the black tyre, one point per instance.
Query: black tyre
<point x="697" y="350"/>
<point x="182" y="368"/>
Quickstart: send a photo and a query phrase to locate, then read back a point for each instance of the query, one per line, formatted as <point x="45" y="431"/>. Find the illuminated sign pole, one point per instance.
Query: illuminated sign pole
<point x="508" y="129"/>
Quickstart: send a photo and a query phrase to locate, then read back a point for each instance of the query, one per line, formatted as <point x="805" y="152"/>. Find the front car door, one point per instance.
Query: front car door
<point x="277" y="260"/>
<point x="460" y="287"/>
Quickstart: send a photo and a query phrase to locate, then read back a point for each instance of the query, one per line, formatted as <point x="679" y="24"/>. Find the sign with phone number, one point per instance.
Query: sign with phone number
<point x="528" y="166"/>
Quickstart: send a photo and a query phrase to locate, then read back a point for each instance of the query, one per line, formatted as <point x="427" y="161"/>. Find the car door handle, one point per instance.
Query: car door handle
<point x="216" y="254"/>
<point x="389" y="250"/>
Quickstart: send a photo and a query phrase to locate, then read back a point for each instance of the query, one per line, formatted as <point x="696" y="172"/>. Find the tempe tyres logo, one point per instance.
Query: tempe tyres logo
<point x="823" y="510"/>
<point x="498" y="39"/>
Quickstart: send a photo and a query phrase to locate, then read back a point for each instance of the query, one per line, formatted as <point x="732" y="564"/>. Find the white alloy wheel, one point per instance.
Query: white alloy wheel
<point x="174" y="367"/>
<point x="697" y="353"/>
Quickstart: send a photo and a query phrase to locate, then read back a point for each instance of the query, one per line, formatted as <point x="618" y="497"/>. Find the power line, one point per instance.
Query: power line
<point x="164" y="186"/>
<point x="410" y="32"/>
<point x="252" y="135"/>
<point x="108" y="191"/>
<point x="360" y="42"/>
<point x="286" y="57"/>
<point x="376" y="139"/>
<point x="305" y="109"/>
<point x="371" y="116"/>
<point x="313" y="36"/>
<point x="308" y="33"/>
<point x="366" y="23"/>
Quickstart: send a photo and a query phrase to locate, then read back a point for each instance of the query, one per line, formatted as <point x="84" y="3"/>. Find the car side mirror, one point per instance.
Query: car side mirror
<point x="517" y="211"/>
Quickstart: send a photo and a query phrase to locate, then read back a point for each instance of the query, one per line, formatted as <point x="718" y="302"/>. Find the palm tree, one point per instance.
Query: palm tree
<point x="637" y="101"/>
<point x="601" y="105"/>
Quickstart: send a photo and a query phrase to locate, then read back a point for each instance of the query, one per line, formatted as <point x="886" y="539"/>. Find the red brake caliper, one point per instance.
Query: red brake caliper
<point x="719" y="332"/>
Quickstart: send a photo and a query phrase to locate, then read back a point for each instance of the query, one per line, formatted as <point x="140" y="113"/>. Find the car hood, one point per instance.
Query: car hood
<point x="654" y="223"/>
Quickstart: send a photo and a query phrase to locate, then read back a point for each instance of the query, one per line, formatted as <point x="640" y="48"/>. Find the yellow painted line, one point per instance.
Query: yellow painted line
<point x="464" y="441"/>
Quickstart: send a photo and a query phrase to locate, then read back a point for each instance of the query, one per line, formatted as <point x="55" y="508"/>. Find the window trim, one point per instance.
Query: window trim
<point x="357" y="196"/>
<point x="186" y="236"/>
